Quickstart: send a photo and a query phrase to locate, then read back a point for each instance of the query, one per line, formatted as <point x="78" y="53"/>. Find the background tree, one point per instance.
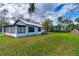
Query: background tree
<point x="3" y="23"/>
<point x="77" y="25"/>
<point x="71" y="25"/>
<point x="77" y="20"/>
<point x="47" y="24"/>
<point x="67" y="21"/>
<point x="3" y="17"/>
<point x="59" y="27"/>
<point x="60" y="20"/>
<point x="68" y="25"/>
<point x="31" y="8"/>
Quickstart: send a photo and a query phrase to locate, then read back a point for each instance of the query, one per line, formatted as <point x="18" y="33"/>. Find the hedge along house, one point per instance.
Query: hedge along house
<point x="23" y="28"/>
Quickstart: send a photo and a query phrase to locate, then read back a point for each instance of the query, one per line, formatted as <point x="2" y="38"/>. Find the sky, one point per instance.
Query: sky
<point x="47" y="10"/>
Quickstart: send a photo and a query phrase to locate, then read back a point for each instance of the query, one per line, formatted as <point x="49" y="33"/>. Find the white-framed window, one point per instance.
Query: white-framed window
<point x="20" y="29"/>
<point x="7" y="29"/>
<point x="31" y="29"/>
<point x="39" y="29"/>
<point x="12" y="29"/>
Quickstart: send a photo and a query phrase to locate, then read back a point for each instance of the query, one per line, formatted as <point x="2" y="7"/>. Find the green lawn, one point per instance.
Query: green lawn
<point x="41" y="45"/>
<point x="1" y="34"/>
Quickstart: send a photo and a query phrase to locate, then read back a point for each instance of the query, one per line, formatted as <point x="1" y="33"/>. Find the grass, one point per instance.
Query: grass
<point x="51" y="44"/>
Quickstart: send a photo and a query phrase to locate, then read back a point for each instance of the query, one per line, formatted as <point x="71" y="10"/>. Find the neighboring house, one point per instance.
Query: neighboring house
<point x="23" y="28"/>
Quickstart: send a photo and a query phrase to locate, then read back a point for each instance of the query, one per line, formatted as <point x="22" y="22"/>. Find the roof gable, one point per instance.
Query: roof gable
<point x="18" y="22"/>
<point x="26" y="22"/>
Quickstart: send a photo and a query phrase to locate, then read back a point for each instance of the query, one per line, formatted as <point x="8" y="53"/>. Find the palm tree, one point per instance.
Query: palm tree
<point x="60" y="20"/>
<point x="68" y="25"/>
<point x="67" y="21"/>
<point x="70" y="22"/>
<point x="31" y="8"/>
<point x="77" y="20"/>
<point x="71" y="10"/>
<point x="77" y="25"/>
<point x="59" y="23"/>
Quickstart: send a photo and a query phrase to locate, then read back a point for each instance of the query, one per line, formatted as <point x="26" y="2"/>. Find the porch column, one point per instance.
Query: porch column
<point x="2" y="30"/>
<point x="36" y="29"/>
<point x="16" y="29"/>
<point x="9" y="29"/>
<point x="26" y="29"/>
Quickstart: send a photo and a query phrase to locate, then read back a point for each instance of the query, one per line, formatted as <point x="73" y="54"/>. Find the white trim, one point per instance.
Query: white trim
<point x="24" y="34"/>
<point x="2" y="30"/>
<point x="36" y="29"/>
<point x="15" y="29"/>
<point x="10" y="34"/>
<point x="26" y="29"/>
<point x="27" y="34"/>
<point x="31" y="23"/>
<point x="9" y="29"/>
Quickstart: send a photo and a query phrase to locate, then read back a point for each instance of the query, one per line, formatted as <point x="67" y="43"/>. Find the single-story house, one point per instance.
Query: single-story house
<point x="23" y="28"/>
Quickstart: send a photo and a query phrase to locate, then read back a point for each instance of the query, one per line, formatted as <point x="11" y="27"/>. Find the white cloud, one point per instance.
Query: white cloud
<point x="41" y="10"/>
<point x="66" y="8"/>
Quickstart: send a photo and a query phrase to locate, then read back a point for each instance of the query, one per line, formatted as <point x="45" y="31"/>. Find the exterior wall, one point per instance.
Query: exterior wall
<point x="42" y="30"/>
<point x="12" y="31"/>
<point x="10" y="34"/>
<point x="20" y="23"/>
<point x="29" y="33"/>
<point x="25" y="34"/>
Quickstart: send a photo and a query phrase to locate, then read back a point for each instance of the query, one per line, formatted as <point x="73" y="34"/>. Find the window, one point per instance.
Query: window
<point x="39" y="29"/>
<point x="12" y="29"/>
<point x="21" y="29"/>
<point x="31" y="29"/>
<point x="7" y="29"/>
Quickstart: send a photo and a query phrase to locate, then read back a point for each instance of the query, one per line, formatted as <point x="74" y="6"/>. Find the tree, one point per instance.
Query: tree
<point x="31" y="8"/>
<point x="68" y="25"/>
<point x="59" y="27"/>
<point x="77" y="25"/>
<point x="4" y="12"/>
<point x="3" y="18"/>
<point x="3" y="23"/>
<point x="77" y="20"/>
<point x="60" y="19"/>
<point x="67" y="21"/>
<point x="47" y="24"/>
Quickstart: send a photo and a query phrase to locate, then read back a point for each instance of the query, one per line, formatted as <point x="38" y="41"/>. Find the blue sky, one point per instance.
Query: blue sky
<point x="58" y="8"/>
<point x="49" y="10"/>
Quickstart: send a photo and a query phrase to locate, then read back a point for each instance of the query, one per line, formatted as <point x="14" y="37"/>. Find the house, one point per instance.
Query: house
<point x="22" y="28"/>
